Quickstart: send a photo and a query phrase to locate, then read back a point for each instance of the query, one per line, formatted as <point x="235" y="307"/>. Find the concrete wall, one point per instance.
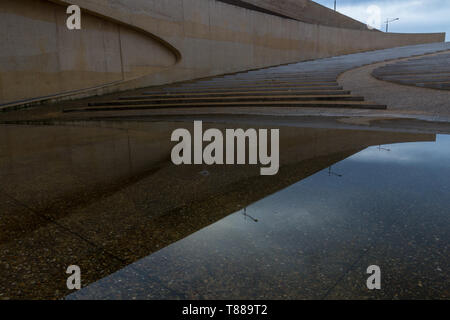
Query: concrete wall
<point x="307" y="11"/>
<point x="41" y="57"/>
<point x="127" y="44"/>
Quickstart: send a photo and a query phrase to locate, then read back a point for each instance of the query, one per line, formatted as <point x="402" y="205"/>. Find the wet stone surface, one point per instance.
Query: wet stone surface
<point x="106" y="197"/>
<point x="386" y="205"/>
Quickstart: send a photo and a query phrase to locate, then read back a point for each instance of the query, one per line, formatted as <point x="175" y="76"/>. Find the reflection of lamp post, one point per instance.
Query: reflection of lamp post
<point x="248" y="216"/>
<point x="389" y="21"/>
<point x="384" y="149"/>
<point x="331" y="173"/>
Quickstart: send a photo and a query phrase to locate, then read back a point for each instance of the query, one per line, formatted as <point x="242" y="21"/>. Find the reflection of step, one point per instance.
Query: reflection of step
<point x="428" y="72"/>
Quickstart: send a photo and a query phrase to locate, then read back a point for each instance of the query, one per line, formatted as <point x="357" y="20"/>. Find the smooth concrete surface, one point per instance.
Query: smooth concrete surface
<point x="41" y="57"/>
<point x="132" y="44"/>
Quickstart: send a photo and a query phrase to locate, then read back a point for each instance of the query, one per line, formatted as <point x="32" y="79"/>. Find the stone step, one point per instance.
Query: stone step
<point x="255" y="85"/>
<point x="440" y="86"/>
<point x="418" y="76"/>
<point x="426" y="72"/>
<point x="291" y="104"/>
<point x="287" y="72"/>
<point x="163" y="95"/>
<point x="286" y="78"/>
<point x="417" y="81"/>
<point x="391" y="72"/>
<point x="259" y="82"/>
<point x="224" y="99"/>
<point x="272" y="77"/>
<point x="298" y="90"/>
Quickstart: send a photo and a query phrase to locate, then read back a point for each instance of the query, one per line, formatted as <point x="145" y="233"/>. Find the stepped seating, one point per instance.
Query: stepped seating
<point x="427" y="72"/>
<point x="273" y="87"/>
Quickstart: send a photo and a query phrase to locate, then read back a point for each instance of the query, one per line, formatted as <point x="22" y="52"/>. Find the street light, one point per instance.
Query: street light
<point x="389" y="21"/>
<point x="334" y="5"/>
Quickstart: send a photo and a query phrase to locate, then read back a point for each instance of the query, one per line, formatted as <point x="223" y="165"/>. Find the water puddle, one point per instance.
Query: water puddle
<point x="343" y="201"/>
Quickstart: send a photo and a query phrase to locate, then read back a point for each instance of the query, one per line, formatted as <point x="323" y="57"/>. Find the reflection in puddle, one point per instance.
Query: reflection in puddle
<point x="316" y="238"/>
<point x="103" y="196"/>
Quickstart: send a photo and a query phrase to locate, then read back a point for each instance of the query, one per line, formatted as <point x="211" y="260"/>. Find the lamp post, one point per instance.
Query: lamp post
<point x="389" y="21"/>
<point x="335" y="5"/>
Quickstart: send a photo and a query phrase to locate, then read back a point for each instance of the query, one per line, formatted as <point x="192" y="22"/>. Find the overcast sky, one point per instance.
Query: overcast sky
<point x="415" y="15"/>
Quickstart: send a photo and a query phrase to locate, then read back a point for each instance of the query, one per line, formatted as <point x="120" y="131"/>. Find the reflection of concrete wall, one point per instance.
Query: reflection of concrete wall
<point x="125" y="44"/>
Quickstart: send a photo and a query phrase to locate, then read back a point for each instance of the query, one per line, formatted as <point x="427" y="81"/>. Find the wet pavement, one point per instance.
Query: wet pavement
<point x="386" y="205"/>
<point x="104" y="195"/>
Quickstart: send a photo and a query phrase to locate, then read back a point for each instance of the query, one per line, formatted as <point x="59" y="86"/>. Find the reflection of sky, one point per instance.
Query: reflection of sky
<point x="323" y="221"/>
<point x="431" y="153"/>
<point x="409" y="172"/>
<point x="324" y="213"/>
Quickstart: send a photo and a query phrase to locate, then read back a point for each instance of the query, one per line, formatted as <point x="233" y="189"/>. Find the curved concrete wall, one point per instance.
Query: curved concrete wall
<point x="127" y="44"/>
<point x="41" y="57"/>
